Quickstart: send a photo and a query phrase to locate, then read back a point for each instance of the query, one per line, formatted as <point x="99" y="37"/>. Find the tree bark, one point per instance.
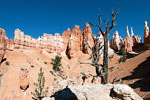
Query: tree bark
<point x="97" y="71"/>
<point x="105" y="60"/>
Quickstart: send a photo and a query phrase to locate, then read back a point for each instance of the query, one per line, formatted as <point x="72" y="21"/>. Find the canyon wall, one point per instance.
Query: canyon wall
<point x="47" y="42"/>
<point x="76" y="40"/>
<point x="71" y="41"/>
<point x="3" y="44"/>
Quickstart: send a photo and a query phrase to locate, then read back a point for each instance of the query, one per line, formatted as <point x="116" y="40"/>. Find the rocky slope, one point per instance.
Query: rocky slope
<point x="135" y="72"/>
<point x="22" y="71"/>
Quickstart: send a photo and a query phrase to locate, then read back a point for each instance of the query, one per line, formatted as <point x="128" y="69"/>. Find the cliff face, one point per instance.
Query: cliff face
<point x="76" y="40"/>
<point x="88" y="37"/>
<point x="71" y="41"/>
<point x="3" y="44"/>
<point x="47" y="42"/>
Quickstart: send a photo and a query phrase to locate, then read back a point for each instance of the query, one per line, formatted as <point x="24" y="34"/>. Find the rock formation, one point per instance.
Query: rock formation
<point x="24" y="79"/>
<point x="10" y="44"/>
<point x="117" y="42"/>
<point x="146" y="36"/>
<point x="130" y="42"/>
<point x="87" y="37"/>
<point x="47" y="42"/>
<point x="50" y="43"/>
<point x="19" y="39"/>
<point x="72" y="41"/>
<point x="3" y="44"/>
<point x="136" y="39"/>
<point x="77" y="40"/>
<point x="66" y="36"/>
<point x="96" y="92"/>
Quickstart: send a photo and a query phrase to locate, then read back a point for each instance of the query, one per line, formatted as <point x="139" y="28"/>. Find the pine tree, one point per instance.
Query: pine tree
<point x="56" y="63"/>
<point x="39" y="91"/>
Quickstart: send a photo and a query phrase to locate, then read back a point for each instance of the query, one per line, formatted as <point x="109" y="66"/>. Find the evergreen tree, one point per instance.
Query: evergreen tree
<point x="56" y="63"/>
<point x="39" y="91"/>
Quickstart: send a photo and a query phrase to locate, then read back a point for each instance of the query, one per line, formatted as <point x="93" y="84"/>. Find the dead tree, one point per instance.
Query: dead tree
<point x="95" y="52"/>
<point x="95" y="56"/>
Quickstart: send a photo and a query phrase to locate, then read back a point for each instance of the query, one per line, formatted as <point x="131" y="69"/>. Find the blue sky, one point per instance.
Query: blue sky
<point x="36" y="17"/>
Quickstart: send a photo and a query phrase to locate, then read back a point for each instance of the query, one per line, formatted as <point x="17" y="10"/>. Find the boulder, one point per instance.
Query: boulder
<point x="24" y="79"/>
<point x="97" y="92"/>
<point x="124" y="92"/>
<point x="47" y="98"/>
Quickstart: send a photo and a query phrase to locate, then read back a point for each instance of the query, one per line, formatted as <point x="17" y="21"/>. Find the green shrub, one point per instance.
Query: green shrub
<point x="55" y="79"/>
<point x="122" y="59"/>
<point x="51" y="72"/>
<point x="45" y="63"/>
<point x="32" y="66"/>
<point x="7" y="63"/>
<point x="56" y="63"/>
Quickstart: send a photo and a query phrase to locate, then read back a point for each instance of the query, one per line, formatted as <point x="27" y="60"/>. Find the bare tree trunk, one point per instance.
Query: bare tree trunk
<point x="105" y="60"/>
<point x="98" y="73"/>
<point x="104" y="72"/>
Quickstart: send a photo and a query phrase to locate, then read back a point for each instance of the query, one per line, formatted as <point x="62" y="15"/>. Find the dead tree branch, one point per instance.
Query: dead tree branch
<point x="95" y="50"/>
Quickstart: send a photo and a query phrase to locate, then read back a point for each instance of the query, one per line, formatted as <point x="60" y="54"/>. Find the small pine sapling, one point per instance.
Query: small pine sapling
<point x="39" y="91"/>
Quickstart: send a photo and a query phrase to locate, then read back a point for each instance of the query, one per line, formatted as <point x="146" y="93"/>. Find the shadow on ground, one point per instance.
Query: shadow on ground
<point x="65" y="94"/>
<point x="4" y="59"/>
<point x="142" y="76"/>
